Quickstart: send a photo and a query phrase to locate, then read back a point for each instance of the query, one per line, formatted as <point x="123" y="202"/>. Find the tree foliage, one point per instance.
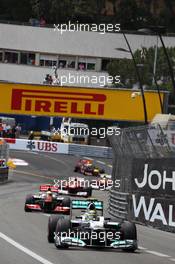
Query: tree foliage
<point x="125" y="68"/>
<point x="131" y="14"/>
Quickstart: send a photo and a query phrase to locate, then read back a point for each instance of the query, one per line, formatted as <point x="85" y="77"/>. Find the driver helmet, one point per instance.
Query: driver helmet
<point x="91" y="212"/>
<point x="49" y="192"/>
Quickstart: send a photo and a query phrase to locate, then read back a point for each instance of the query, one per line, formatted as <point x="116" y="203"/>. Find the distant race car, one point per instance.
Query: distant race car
<point x="91" y="170"/>
<point x="47" y="202"/>
<point x="81" y="163"/>
<point x="91" y="229"/>
<point x="73" y="187"/>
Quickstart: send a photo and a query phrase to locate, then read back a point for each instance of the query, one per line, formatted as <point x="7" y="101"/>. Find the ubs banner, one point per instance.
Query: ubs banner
<point x="97" y="103"/>
<point x="152" y="198"/>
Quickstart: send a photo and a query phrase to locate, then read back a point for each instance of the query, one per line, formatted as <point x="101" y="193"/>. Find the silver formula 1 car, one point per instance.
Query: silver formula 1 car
<point x="91" y="229"/>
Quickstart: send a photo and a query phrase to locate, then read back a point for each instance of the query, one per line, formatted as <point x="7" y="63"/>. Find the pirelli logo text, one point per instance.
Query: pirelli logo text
<point x="58" y="102"/>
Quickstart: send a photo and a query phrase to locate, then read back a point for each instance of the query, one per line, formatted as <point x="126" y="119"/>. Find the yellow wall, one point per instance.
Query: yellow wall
<point x="114" y="104"/>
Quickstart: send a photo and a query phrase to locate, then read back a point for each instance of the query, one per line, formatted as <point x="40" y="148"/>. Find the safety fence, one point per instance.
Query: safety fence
<point x="144" y="162"/>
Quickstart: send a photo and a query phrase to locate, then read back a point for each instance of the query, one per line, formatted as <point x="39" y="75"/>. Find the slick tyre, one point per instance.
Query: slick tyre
<point x="63" y="226"/>
<point x="66" y="202"/>
<point x="89" y="191"/>
<point x="129" y="231"/>
<point x="29" y="200"/>
<point x="52" y="223"/>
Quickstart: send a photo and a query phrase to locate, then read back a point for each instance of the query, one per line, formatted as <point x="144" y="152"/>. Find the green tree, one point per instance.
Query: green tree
<point x="125" y="68"/>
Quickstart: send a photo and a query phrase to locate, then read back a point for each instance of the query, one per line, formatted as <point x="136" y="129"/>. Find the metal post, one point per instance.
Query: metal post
<point x="139" y="79"/>
<point x="155" y="61"/>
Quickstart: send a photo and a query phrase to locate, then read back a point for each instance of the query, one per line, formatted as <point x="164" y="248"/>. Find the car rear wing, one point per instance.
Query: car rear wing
<point x="83" y="204"/>
<point x="45" y="187"/>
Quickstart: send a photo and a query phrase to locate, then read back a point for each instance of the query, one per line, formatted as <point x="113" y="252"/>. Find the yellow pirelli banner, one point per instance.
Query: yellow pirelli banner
<point x="96" y="103"/>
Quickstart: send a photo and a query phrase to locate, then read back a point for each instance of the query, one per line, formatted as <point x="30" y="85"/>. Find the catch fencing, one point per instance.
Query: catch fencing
<point x="144" y="162"/>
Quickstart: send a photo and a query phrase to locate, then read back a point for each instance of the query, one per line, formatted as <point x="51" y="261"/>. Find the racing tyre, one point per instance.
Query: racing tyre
<point x="89" y="192"/>
<point x="75" y="169"/>
<point x="53" y="219"/>
<point x="66" y="202"/>
<point x="129" y="231"/>
<point x="101" y="171"/>
<point x="29" y="200"/>
<point x="63" y="225"/>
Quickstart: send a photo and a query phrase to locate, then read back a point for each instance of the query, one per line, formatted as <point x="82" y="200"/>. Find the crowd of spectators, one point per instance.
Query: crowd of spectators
<point x="8" y="131"/>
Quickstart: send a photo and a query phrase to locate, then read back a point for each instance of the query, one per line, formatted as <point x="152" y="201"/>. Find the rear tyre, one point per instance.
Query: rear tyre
<point x="63" y="225"/>
<point x="66" y="202"/>
<point x="75" y="169"/>
<point x="129" y="231"/>
<point x="89" y="191"/>
<point x="53" y="219"/>
<point x="29" y="200"/>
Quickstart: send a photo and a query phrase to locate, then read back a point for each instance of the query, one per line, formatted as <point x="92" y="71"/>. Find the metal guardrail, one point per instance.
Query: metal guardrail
<point x="4" y="154"/>
<point x="92" y="151"/>
<point x="4" y="150"/>
<point x="118" y="204"/>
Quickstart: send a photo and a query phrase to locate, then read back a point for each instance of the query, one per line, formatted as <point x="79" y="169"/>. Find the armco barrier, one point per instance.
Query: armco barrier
<point x="62" y="148"/>
<point x="37" y="145"/>
<point x="118" y="204"/>
<point x="4" y="174"/>
<point x="92" y="151"/>
<point x="4" y="155"/>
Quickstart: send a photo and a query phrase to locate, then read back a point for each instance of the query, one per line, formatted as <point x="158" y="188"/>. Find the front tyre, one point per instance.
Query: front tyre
<point x="53" y="219"/>
<point x="62" y="228"/>
<point x="129" y="232"/>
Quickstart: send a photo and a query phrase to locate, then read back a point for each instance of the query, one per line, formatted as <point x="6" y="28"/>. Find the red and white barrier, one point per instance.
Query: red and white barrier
<point x="37" y="145"/>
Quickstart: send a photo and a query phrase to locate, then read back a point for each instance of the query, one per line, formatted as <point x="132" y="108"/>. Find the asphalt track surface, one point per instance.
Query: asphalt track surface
<point x="23" y="238"/>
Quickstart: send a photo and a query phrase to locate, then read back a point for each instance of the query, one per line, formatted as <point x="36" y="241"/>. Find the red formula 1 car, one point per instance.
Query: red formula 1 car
<point x="73" y="186"/>
<point x="81" y="163"/>
<point x="86" y="167"/>
<point x="47" y="202"/>
<point x="91" y="170"/>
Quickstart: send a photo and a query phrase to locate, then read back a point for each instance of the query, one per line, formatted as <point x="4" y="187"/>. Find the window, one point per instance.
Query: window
<point x="90" y="66"/>
<point x="48" y="60"/>
<point x="86" y="64"/>
<point x="11" y="57"/>
<point x="27" y="58"/>
<point x="70" y="64"/>
<point x="82" y="66"/>
<point x="62" y="63"/>
<point x="48" y="63"/>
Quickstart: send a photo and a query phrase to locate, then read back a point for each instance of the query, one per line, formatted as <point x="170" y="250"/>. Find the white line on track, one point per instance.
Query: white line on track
<point x="157" y="254"/>
<point x="24" y="249"/>
<point x="142" y="248"/>
<point x="101" y="162"/>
